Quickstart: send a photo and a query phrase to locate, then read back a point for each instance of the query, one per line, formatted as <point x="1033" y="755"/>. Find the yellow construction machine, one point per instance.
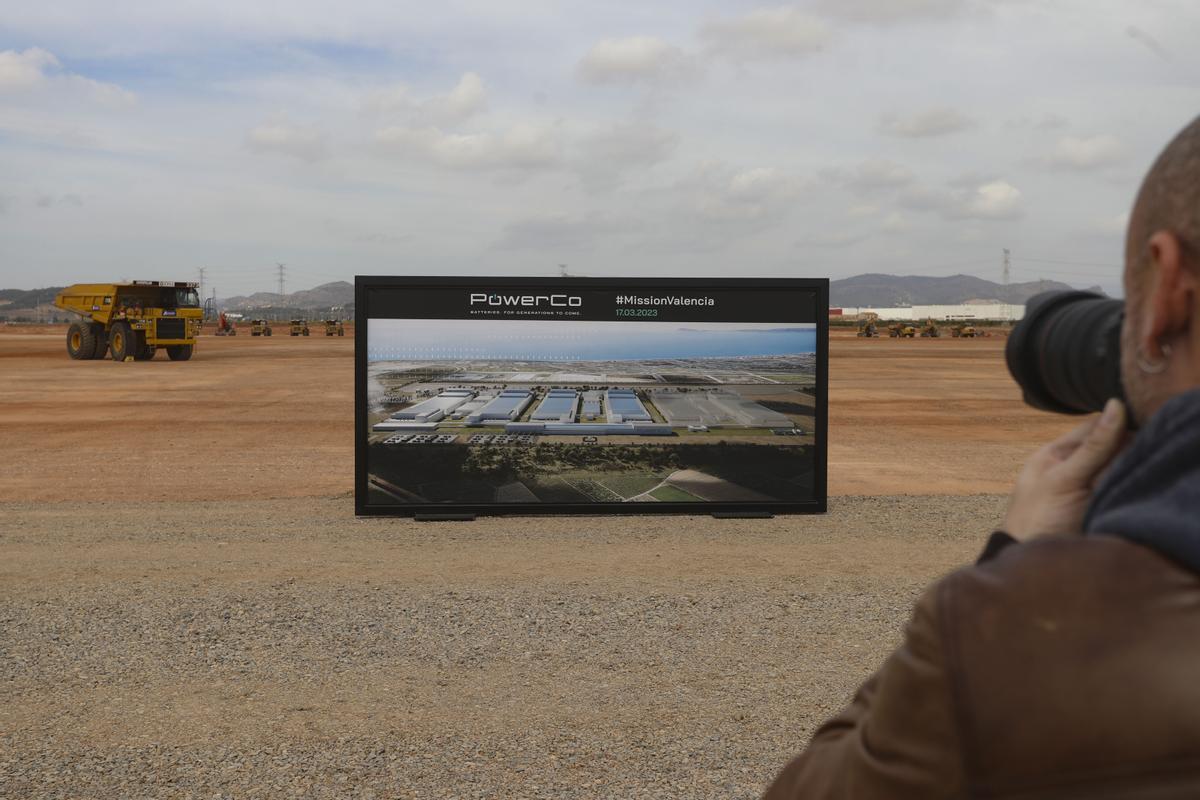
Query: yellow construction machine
<point x="299" y="327"/>
<point x="260" y="327"/>
<point x="869" y="329"/>
<point x="930" y="330"/>
<point x="132" y="320"/>
<point x="964" y="332"/>
<point x="334" y="327"/>
<point x="901" y="331"/>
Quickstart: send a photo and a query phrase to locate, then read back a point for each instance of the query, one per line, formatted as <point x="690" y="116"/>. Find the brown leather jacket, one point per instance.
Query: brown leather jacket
<point x="1067" y="667"/>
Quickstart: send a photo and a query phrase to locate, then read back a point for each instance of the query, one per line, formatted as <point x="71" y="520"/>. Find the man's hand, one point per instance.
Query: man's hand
<point x="1055" y="485"/>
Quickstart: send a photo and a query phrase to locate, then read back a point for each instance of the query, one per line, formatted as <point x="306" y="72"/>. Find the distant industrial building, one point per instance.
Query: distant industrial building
<point x="558" y="405"/>
<point x="624" y="406"/>
<point x="957" y="313"/>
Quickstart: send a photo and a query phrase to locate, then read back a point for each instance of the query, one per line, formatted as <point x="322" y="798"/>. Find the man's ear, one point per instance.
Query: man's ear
<point x="1172" y="294"/>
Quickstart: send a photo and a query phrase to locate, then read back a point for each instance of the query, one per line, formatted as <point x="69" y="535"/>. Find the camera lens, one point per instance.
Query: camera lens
<point x="1066" y="352"/>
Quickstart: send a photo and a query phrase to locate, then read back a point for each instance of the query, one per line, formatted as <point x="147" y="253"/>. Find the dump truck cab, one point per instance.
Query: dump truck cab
<point x="334" y="327"/>
<point x="260" y="327"/>
<point x="299" y="327"/>
<point x="132" y="320"/>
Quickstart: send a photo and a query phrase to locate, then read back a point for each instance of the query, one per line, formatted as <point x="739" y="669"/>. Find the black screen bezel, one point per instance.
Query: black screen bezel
<point x="363" y="284"/>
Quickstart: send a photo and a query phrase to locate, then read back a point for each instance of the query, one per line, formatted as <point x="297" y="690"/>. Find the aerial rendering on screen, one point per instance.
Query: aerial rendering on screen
<point x="501" y="408"/>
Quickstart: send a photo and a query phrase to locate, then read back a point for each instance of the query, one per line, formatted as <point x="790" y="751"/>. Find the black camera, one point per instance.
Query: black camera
<point x="1066" y="352"/>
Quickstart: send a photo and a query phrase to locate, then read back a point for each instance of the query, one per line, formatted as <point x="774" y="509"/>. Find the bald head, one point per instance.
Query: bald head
<point x="1169" y="200"/>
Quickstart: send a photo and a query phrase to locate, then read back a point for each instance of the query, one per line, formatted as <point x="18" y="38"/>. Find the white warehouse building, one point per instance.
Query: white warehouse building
<point x="966" y="311"/>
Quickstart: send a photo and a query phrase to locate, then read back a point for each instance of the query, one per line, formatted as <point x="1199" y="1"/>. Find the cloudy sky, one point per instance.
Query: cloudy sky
<point x="828" y="137"/>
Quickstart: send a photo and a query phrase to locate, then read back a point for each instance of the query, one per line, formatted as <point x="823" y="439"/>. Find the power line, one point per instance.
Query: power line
<point x="280" y="265"/>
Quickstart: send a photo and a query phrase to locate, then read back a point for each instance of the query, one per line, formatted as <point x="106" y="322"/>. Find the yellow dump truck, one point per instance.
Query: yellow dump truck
<point x="299" y="327"/>
<point x="899" y="331"/>
<point x="260" y="327"/>
<point x="334" y="327"/>
<point x="964" y="332"/>
<point x="132" y="320"/>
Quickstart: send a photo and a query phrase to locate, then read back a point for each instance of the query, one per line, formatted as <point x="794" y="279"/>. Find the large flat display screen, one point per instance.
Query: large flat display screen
<point x="580" y="395"/>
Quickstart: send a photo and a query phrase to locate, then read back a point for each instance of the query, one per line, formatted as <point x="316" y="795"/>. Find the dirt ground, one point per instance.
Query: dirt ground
<point x="273" y="417"/>
<point x="188" y="607"/>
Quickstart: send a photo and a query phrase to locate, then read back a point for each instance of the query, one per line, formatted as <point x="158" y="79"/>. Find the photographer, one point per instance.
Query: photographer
<point x="1066" y="663"/>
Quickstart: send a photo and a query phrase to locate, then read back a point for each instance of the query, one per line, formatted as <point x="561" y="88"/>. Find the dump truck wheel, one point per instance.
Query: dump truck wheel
<point x="305" y="333"/>
<point x="101" y="341"/>
<point x="179" y="352"/>
<point x="81" y="342"/>
<point x="121" y="341"/>
<point x="268" y="332"/>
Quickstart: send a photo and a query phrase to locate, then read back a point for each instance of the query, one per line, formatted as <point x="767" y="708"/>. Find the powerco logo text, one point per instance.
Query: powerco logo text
<point x="530" y="300"/>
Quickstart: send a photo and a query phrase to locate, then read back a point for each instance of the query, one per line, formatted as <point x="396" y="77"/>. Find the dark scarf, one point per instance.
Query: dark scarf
<point x="1151" y="494"/>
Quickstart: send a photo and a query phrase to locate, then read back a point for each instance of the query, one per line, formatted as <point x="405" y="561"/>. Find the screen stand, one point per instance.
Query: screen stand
<point x="742" y="515"/>
<point x="444" y="517"/>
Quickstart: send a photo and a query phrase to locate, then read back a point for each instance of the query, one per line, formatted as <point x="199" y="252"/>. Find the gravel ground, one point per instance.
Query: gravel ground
<point x="284" y="649"/>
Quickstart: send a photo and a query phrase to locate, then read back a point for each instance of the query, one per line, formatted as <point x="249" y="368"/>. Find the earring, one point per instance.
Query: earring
<point x="1153" y="367"/>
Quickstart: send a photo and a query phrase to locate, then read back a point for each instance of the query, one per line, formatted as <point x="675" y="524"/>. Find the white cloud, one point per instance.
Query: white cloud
<point x="607" y="156"/>
<point x="720" y="194"/>
<point x="924" y="124"/>
<point x="885" y="12"/>
<point x="895" y="222"/>
<point x="466" y="99"/>
<point x="286" y="138"/>
<point x="766" y="33"/>
<point x="522" y="147"/>
<point x="1086" y="153"/>
<point x="26" y="69"/>
<point x="36" y="69"/>
<point x="871" y="175"/>
<point x="993" y="200"/>
<point x="634" y="59"/>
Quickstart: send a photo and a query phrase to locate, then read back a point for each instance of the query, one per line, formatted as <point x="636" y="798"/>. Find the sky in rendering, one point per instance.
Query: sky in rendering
<point x="827" y="137"/>
<point x="553" y="340"/>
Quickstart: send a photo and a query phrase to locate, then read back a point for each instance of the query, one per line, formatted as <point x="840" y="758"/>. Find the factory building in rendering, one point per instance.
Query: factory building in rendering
<point x="624" y="406"/>
<point x="559" y="405"/>
<point x="507" y="406"/>
<point x="590" y="411"/>
<point x="435" y="408"/>
<point x="715" y="408"/>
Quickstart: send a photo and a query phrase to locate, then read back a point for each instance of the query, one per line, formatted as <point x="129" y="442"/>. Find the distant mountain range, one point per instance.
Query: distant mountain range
<point x="886" y="291"/>
<point x="319" y="298"/>
<point x="873" y="289"/>
<point x="17" y="299"/>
